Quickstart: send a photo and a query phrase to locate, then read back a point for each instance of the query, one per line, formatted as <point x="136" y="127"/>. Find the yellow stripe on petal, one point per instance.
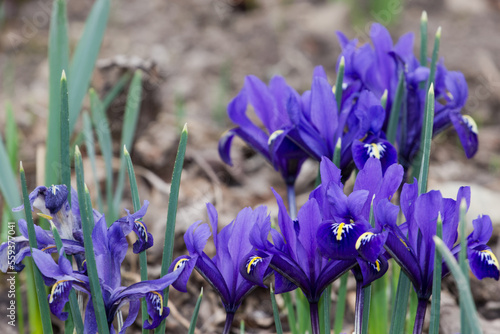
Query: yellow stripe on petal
<point x="471" y="123"/>
<point x="43" y="215"/>
<point x="254" y="260"/>
<point x="377" y="263"/>
<point x="492" y="256"/>
<point x="273" y="136"/>
<point x="339" y="231"/>
<point x="160" y="311"/>
<point x="48" y="247"/>
<point x="54" y="287"/>
<point x="180" y="263"/>
<point x="361" y="237"/>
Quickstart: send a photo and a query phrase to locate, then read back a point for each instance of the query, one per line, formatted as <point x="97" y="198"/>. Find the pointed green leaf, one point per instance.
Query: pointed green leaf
<point x="436" y="283"/>
<point x="194" y="318"/>
<point x="276" y="312"/>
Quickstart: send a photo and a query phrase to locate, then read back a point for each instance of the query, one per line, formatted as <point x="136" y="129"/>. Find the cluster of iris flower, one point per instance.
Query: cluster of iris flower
<point x="334" y="233"/>
<point x="110" y="247"/>
<point x="331" y="234"/>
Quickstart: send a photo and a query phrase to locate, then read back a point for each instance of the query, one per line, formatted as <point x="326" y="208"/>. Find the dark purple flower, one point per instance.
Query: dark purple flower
<point x="110" y="247"/>
<point x="232" y="244"/>
<point x="134" y="222"/>
<point x="482" y="261"/>
<point x="270" y="104"/>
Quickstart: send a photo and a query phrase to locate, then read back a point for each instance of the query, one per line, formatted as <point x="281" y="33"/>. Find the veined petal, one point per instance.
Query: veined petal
<point x="58" y="297"/>
<point x="196" y="237"/>
<point x="370" y="245"/>
<point x="372" y="270"/>
<point x="381" y="150"/>
<point x="331" y="272"/>
<point x="338" y="240"/>
<point x="254" y="267"/>
<point x="185" y="264"/>
<point x="483" y="262"/>
<point x="156" y="310"/>
<point x="483" y="229"/>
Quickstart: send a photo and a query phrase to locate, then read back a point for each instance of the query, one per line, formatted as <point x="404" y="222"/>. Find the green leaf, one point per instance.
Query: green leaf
<point x="11" y="136"/>
<point x="132" y="110"/>
<point x="379" y="313"/>
<point x="399" y="309"/>
<point x="396" y="107"/>
<point x="324" y="310"/>
<point x="462" y="285"/>
<point x="464" y="265"/>
<point x="117" y="89"/>
<point x="65" y="158"/>
<point x="276" y="312"/>
<point x="87" y="227"/>
<point x="436" y="283"/>
<point x="143" y="260"/>
<point x="168" y="247"/>
<point x="90" y="148"/>
<point x="43" y="303"/>
<point x="58" y="62"/>
<point x="339" y="82"/>
<point x="194" y="318"/>
<point x="101" y="127"/>
<point x="426" y="141"/>
<point x="341" y="300"/>
<point x="292" y="322"/>
<point x="423" y="39"/>
<point x="85" y="56"/>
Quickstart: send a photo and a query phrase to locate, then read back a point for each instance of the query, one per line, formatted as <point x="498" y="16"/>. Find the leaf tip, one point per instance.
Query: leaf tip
<point x="185" y="128"/>
<point x="342" y="62"/>
<point x="21" y="168"/>
<point x="438" y="32"/>
<point x="63" y="75"/>
<point x="423" y="18"/>
<point x="125" y="151"/>
<point x="77" y="151"/>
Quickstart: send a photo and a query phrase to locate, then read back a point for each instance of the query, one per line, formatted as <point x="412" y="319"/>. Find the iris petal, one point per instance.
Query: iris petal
<point x="483" y="262"/>
<point x="338" y="240"/>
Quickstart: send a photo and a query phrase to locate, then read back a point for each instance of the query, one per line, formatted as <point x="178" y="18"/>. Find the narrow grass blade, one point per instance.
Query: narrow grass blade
<point x="423" y="39"/>
<point x="168" y="247"/>
<point x="65" y="158"/>
<point x="436" y="283"/>
<point x="340" y="309"/>
<point x="412" y="311"/>
<point x="117" y="89"/>
<point x="87" y="227"/>
<point x="400" y="306"/>
<point x="276" y="312"/>
<point x="292" y="320"/>
<point x="90" y="148"/>
<point x="339" y="83"/>
<point x="11" y="136"/>
<point x="20" y="304"/>
<point x="462" y="285"/>
<point x="34" y="317"/>
<point x="242" y="327"/>
<point x="143" y="260"/>
<point x="435" y="52"/>
<point x="366" y="308"/>
<point x="464" y="265"/>
<point x="324" y="310"/>
<point x="43" y="304"/>
<point x="379" y="313"/>
<point x="194" y="318"/>
<point x="74" y="310"/>
<point x="132" y="109"/>
<point x="303" y="312"/>
<point x="58" y="62"/>
<point x="85" y="56"/>
<point x="8" y="186"/>
<point x="426" y="141"/>
<point x="392" y="127"/>
<point x="101" y="127"/>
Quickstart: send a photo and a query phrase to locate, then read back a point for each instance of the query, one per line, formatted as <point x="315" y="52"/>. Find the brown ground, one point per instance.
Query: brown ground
<point x="202" y="51"/>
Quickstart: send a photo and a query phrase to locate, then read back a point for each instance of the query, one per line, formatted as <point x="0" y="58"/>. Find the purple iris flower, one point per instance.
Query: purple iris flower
<point x="411" y="243"/>
<point x="110" y="247"/>
<point x="270" y="106"/>
<point x="222" y="272"/>
<point x="377" y="69"/>
<point x="133" y="222"/>
<point x="294" y="255"/>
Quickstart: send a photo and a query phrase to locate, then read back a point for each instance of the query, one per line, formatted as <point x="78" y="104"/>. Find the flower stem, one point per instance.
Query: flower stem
<point x="313" y="307"/>
<point x="229" y="322"/>
<point x="360" y="303"/>
<point x="292" y="204"/>
<point x="420" y="316"/>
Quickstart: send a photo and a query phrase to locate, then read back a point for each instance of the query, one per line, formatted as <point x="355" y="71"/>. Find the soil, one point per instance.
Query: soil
<point x="195" y="55"/>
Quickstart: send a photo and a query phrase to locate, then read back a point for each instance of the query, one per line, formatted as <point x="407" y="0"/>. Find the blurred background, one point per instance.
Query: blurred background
<point x="195" y="55"/>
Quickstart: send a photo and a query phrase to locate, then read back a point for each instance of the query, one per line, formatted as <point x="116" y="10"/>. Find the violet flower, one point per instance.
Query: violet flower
<point x="110" y="247"/>
<point x="294" y="256"/>
<point x="411" y="243"/>
<point x="222" y="272"/>
<point x="377" y="69"/>
<point x="270" y="106"/>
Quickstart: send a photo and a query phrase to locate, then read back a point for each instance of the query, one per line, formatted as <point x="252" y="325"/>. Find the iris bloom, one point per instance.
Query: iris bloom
<point x="270" y="104"/>
<point x="377" y="69"/>
<point x="222" y="272"/>
<point x="294" y="255"/>
<point x="110" y="247"/>
<point x="411" y="243"/>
